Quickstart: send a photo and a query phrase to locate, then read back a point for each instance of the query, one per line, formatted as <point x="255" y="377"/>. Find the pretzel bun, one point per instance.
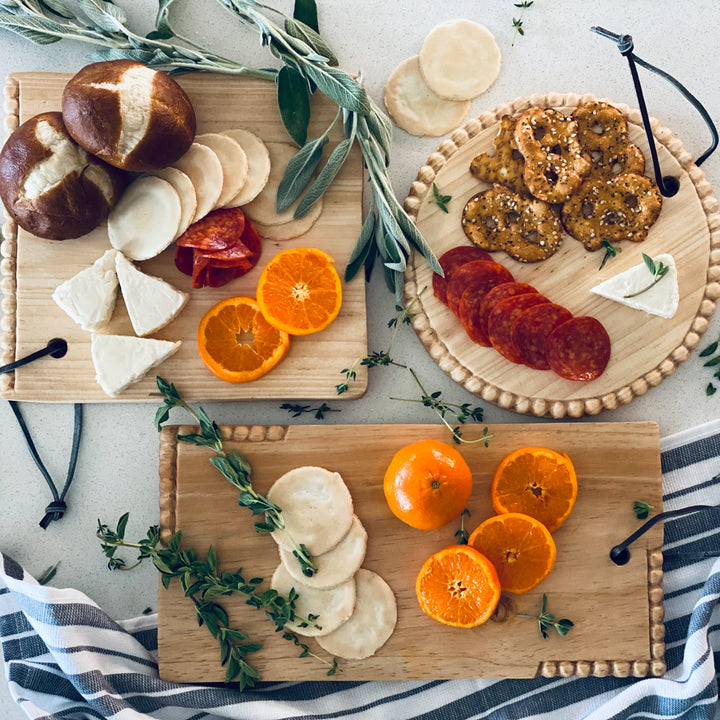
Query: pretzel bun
<point x="130" y="115"/>
<point x="51" y="186"/>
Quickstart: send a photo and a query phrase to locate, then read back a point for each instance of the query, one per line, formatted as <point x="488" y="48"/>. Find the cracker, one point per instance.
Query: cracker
<point x="316" y="506"/>
<point x="333" y="606"/>
<point x="233" y="161"/>
<point x="370" y="625"/>
<point x="506" y="164"/>
<point x="460" y="60"/>
<point x="415" y="107"/>
<point x="258" y="159"/>
<point x="203" y="168"/>
<point x="335" y="566"/>
<point x="292" y="229"/>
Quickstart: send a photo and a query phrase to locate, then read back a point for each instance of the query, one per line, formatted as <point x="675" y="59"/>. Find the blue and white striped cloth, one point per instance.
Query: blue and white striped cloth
<point x="66" y="659"/>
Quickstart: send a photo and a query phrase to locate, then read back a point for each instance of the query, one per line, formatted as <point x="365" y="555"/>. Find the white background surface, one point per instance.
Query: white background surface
<point x="117" y="470"/>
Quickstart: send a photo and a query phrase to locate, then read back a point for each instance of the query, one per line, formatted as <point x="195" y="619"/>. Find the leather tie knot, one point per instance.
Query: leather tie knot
<point x="54" y="511"/>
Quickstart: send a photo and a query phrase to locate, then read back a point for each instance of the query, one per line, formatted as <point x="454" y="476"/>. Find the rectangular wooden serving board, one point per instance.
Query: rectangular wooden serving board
<point x="32" y="268"/>
<point x="617" y="610"/>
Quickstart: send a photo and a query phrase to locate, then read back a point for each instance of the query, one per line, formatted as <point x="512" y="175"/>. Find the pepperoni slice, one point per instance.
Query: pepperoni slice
<point x="503" y="317"/>
<point x="477" y="275"/>
<point x="216" y="231"/>
<point x="579" y="349"/>
<point x="529" y="332"/>
<point x="452" y="259"/>
<point x="495" y="295"/>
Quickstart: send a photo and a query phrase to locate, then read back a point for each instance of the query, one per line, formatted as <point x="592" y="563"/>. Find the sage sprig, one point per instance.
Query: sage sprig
<point x="657" y="271"/>
<point x="307" y="64"/>
<point x="234" y="467"/>
<point x="202" y="582"/>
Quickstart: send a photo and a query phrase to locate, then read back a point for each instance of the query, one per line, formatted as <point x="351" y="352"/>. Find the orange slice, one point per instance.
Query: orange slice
<point x="299" y="291"/>
<point x="458" y="586"/>
<point x="538" y="482"/>
<point x="237" y="344"/>
<point x="520" y="547"/>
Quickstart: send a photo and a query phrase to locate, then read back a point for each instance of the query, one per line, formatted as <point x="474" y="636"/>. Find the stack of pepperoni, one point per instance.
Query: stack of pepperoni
<point x="522" y="325"/>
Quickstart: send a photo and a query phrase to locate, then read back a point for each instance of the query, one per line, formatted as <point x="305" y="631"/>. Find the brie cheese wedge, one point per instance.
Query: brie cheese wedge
<point x="89" y="297"/>
<point x="661" y="299"/>
<point x="121" y="360"/>
<point x="150" y="301"/>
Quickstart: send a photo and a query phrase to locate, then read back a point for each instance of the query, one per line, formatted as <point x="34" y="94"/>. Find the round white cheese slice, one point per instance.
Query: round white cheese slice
<point x="332" y="606"/>
<point x="316" y="507"/>
<point x="186" y="192"/>
<point x="233" y="160"/>
<point x="258" y="159"/>
<point x="460" y="59"/>
<point x="415" y="107"/>
<point x="371" y="624"/>
<point x="203" y="168"/>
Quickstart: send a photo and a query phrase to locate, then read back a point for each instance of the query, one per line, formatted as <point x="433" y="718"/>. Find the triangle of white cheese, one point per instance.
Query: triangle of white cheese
<point x="89" y="297"/>
<point x="661" y="299"/>
<point x="121" y="360"/>
<point x="151" y="302"/>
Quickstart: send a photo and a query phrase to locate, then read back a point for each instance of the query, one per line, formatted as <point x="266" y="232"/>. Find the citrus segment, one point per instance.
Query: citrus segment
<point x="538" y="482"/>
<point x="427" y="484"/>
<point x="458" y="586"/>
<point x="237" y="344"/>
<point x="520" y="547"/>
<point x="299" y="291"/>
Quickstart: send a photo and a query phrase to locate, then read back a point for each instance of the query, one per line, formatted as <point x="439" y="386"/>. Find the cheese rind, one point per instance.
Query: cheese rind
<point x="121" y="360"/>
<point x="89" y="296"/>
<point x="150" y="301"/>
<point x="661" y="299"/>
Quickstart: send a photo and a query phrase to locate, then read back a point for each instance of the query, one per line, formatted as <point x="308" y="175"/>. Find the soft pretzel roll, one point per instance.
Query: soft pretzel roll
<point x="130" y="115"/>
<point x="51" y="186"/>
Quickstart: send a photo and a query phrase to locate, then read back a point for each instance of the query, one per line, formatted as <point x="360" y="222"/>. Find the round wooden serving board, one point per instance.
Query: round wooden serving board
<point x="645" y="348"/>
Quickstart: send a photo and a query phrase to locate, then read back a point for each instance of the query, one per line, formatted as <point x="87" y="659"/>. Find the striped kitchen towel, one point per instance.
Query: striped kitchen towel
<point x="66" y="659"/>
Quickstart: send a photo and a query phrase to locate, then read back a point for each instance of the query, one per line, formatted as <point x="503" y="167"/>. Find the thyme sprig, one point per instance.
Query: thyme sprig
<point x="307" y="64"/>
<point x="518" y="21"/>
<point x="202" y="582"/>
<point x="234" y="467"/>
<point x="461" y="412"/>
<point x="296" y="409"/>
<point x="546" y="621"/>
<point x="439" y="199"/>
<point x="657" y="270"/>
<point x="375" y="358"/>
<point x="611" y="251"/>
<point x="710" y="389"/>
<point x="462" y="534"/>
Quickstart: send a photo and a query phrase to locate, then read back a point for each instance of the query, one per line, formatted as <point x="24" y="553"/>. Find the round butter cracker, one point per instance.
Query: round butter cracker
<point x="416" y="108"/>
<point x="460" y="59"/>
<point x="258" y="160"/>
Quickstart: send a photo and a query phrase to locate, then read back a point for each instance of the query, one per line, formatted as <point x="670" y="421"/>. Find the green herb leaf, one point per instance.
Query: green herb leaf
<point x="657" y="271"/>
<point x="642" y="509"/>
<point x="59" y="7"/>
<point x="104" y="15"/>
<point x="324" y="179"/>
<point x="712" y="363"/>
<point x="439" y="199"/>
<point x="340" y="87"/>
<point x="48" y="574"/>
<point x="306" y="12"/>
<point x="710" y="349"/>
<point x="294" y="103"/>
<point x="299" y="171"/>
<point x="162" y="22"/>
<point x="710" y="389"/>
<point x="302" y="31"/>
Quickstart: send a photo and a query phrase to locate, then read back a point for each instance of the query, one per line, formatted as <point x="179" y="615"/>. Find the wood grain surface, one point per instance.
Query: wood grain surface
<point x="32" y="268"/>
<point x="617" y="611"/>
<point x="645" y="348"/>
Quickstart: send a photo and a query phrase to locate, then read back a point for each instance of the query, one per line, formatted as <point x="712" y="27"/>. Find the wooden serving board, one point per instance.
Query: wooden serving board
<point x="617" y="611"/>
<point x="32" y="268"/>
<point x="645" y="348"/>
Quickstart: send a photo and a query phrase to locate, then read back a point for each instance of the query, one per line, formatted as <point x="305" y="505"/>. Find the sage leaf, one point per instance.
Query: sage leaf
<point x="41" y="31"/>
<point x="379" y="125"/>
<point x="162" y="22"/>
<point x="59" y="7"/>
<point x="306" y="12"/>
<point x="712" y="363"/>
<point x="302" y="31"/>
<point x="299" y="171"/>
<point x="104" y="15"/>
<point x="710" y="349"/>
<point x="416" y="238"/>
<point x="294" y="103"/>
<point x="362" y="247"/>
<point x="340" y="87"/>
<point x="324" y="179"/>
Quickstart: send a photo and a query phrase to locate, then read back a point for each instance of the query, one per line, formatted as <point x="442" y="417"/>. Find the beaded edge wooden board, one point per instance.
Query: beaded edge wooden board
<point x="618" y="611"/>
<point x="638" y="363"/>
<point x="31" y="268"/>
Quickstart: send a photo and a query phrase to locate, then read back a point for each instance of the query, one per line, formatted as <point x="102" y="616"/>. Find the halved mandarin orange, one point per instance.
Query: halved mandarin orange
<point x="538" y="482"/>
<point x="520" y="547"/>
<point x="458" y="586"/>
<point x="299" y="291"/>
<point x="237" y="344"/>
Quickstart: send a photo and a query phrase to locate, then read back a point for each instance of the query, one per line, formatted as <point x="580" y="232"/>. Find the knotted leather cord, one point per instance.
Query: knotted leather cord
<point x="56" y="509"/>
<point x="668" y="186"/>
